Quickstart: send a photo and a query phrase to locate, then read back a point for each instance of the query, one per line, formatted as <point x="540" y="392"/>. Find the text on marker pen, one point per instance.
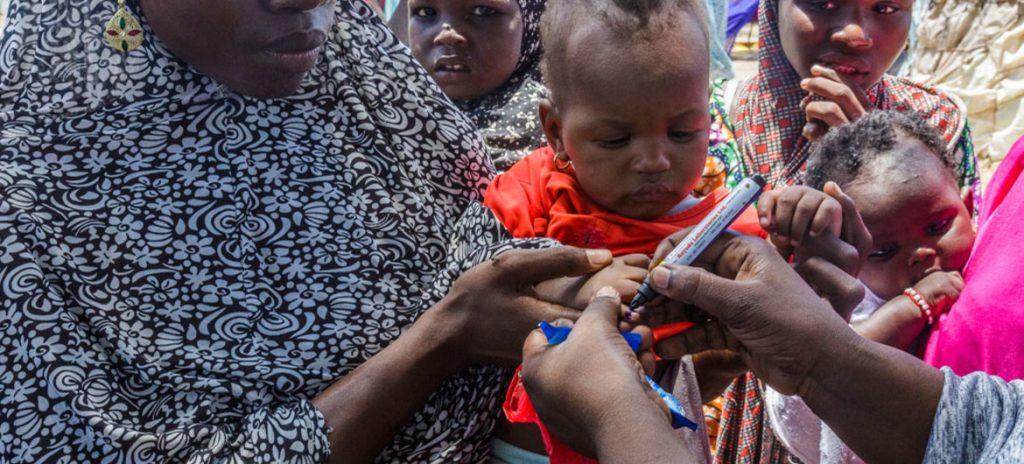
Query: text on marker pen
<point x="698" y="240"/>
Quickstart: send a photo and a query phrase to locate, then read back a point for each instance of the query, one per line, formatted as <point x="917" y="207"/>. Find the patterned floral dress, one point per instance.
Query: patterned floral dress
<point x="183" y="268"/>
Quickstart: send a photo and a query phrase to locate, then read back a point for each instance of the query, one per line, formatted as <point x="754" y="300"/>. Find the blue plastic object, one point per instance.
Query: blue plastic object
<point x="556" y="335"/>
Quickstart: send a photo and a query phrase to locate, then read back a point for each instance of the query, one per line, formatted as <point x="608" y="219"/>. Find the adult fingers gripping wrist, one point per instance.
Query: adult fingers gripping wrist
<point x="532" y="266"/>
<point x="492" y="308"/>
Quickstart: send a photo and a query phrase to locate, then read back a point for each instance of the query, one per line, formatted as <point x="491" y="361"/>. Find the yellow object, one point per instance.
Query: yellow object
<point x="712" y="419"/>
<point x="713" y="177"/>
<point x="123" y="31"/>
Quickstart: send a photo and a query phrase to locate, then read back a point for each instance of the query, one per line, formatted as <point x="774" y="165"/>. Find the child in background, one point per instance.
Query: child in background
<point x="485" y="56"/>
<point x="898" y="172"/>
<point x="903" y="180"/>
<point x="823" y="64"/>
<point x="627" y="124"/>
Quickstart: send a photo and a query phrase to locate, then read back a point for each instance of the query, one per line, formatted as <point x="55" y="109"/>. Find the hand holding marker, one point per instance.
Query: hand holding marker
<point x="698" y="240"/>
<point x="683" y="254"/>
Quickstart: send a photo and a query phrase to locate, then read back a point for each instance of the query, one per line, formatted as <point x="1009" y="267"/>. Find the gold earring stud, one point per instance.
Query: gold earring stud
<point x="123" y="31"/>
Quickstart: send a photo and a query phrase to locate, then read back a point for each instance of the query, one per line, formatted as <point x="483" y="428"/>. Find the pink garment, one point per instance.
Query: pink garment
<point x="984" y="330"/>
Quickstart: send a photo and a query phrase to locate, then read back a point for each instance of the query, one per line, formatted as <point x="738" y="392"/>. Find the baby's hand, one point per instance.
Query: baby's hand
<point x="625" y="274"/>
<point x="840" y="101"/>
<point x="940" y="290"/>
<point x="790" y="214"/>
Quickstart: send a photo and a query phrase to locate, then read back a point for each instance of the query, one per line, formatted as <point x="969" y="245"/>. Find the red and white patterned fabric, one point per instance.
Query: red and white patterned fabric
<point x="769" y="114"/>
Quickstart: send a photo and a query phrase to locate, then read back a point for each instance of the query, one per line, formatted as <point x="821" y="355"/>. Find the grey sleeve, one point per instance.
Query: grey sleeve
<point x="979" y="419"/>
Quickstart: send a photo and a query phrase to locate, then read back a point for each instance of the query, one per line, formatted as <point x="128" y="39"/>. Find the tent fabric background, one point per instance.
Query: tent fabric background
<point x="975" y="49"/>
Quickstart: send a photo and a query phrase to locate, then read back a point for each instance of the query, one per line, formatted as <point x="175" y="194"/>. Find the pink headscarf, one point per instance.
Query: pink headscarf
<point x="984" y="331"/>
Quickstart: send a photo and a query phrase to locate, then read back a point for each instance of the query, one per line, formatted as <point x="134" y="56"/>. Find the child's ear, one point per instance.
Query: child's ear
<point x="967" y="195"/>
<point x="551" y="121"/>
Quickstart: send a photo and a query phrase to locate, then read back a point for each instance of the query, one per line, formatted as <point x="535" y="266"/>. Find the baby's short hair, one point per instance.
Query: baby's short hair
<point x="845" y="153"/>
<point x="633" y="20"/>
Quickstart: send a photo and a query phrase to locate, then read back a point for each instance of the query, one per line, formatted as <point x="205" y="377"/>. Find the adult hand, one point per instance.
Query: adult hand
<point x="717" y="359"/>
<point x="825" y="262"/>
<point x="591" y="388"/>
<point x="491" y="308"/>
<point x="624" y="274"/>
<point x="792" y="340"/>
<point x="841" y="101"/>
<point x="763" y="309"/>
<point x="485" y="316"/>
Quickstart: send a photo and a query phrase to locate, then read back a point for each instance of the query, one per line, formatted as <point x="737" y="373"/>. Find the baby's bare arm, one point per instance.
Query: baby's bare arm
<point x="897" y="323"/>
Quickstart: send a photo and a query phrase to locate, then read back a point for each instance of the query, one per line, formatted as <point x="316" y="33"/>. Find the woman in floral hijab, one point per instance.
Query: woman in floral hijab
<point x="198" y="237"/>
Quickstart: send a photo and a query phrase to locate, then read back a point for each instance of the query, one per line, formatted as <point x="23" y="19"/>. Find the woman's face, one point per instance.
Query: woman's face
<point x="860" y="39"/>
<point x="469" y="47"/>
<point x="260" y="48"/>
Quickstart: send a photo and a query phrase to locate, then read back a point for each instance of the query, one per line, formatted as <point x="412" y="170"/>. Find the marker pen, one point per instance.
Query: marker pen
<point x="698" y="240"/>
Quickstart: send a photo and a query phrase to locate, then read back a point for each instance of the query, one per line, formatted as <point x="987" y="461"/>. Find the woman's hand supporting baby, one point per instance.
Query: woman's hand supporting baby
<point x="624" y="274"/>
<point x="493" y="307"/>
<point x="484" y="318"/>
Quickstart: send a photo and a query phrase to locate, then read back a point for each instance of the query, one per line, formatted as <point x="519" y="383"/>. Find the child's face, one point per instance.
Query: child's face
<point x="917" y="218"/>
<point x="469" y="47"/>
<point x="633" y="119"/>
<point x="860" y="39"/>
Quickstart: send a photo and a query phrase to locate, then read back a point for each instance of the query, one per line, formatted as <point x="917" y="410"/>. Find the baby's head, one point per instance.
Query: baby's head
<point x="469" y="47"/>
<point x="629" y="99"/>
<point x="902" y="178"/>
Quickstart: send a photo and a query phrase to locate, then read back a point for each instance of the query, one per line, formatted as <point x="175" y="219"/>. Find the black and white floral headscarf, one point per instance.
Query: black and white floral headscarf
<point x="182" y="268"/>
<point x="507" y="117"/>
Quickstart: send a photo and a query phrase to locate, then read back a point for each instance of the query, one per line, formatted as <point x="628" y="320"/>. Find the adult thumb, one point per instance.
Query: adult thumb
<point x="603" y="310"/>
<point x="532" y="266"/>
<point x="718" y="296"/>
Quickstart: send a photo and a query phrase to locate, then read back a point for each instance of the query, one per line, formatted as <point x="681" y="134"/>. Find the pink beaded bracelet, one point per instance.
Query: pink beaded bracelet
<point x="919" y="301"/>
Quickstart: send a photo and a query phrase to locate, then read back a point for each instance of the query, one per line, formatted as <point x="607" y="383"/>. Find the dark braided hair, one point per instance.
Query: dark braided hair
<point x="845" y="153"/>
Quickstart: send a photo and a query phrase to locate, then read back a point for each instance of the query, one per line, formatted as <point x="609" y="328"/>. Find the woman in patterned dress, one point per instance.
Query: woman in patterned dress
<point x="237" y="242"/>
<point x="823" y="63"/>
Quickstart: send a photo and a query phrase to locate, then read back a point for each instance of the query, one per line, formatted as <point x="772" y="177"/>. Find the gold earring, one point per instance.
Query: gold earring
<point x="123" y="31"/>
<point x="560" y="164"/>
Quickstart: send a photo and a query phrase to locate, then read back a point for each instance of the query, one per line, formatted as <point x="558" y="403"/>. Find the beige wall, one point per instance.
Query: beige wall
<point x="975" y="49"/>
